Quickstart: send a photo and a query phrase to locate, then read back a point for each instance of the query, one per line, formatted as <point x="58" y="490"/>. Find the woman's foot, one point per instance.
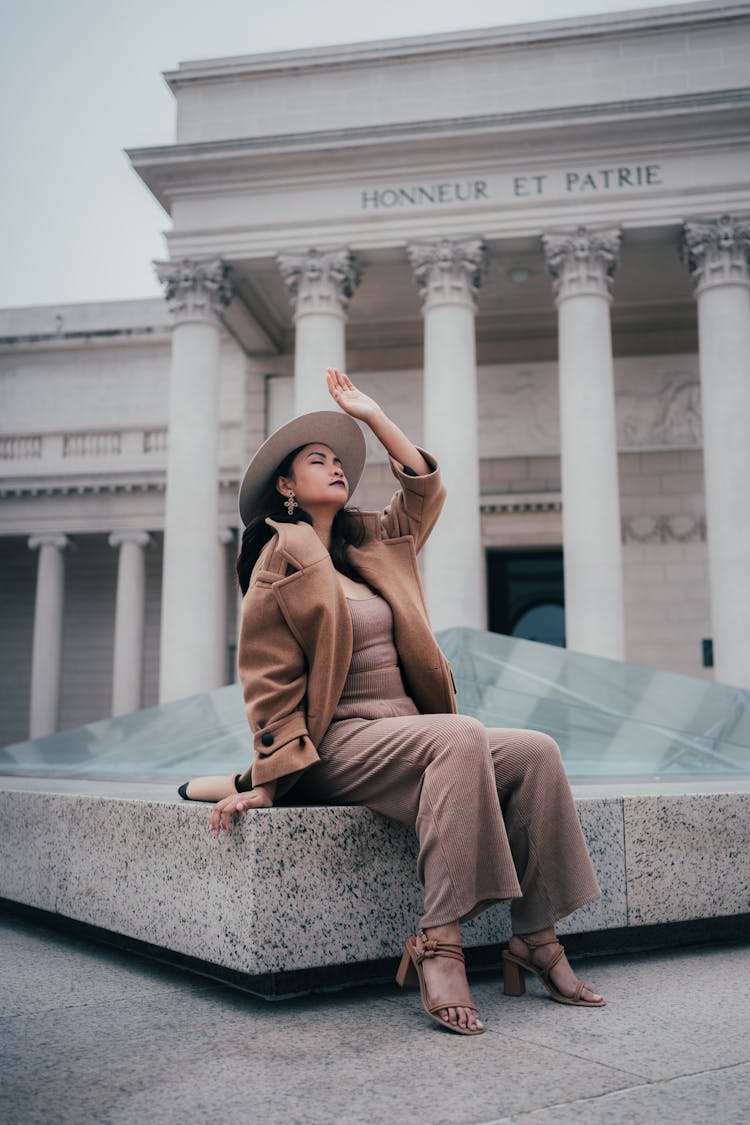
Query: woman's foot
<point x="562" y="975"/>
<point x="445" y="976"/>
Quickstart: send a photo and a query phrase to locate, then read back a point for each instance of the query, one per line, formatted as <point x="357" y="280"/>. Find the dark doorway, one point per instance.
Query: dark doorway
<point x="525" y="594"/>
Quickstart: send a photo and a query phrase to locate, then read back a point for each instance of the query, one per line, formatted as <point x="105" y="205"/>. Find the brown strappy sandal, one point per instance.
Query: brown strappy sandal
<point x="410" y="973"/>
<point x="514" y="983"/>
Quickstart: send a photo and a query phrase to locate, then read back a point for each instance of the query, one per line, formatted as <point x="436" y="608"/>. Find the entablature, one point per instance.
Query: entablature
<point x="715" y="120"/>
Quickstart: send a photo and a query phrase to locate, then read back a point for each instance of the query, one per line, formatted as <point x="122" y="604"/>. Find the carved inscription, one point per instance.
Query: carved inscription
<point x="419" y="195"/>
<point x="557" y="183"/>
<point x="588" y="181"/>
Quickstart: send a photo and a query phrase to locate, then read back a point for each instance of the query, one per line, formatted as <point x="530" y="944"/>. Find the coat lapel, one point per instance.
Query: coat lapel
<point x="313" y="603"/>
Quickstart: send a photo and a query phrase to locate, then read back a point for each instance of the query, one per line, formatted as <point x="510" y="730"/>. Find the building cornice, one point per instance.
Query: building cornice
<point x="164" y="166"/>
<point x="93" y="338"/>
<point x="448" y="44"/>
<point x="669" y="125"/>
<point x="520" y="503"/>
<point x="86" y="486"/>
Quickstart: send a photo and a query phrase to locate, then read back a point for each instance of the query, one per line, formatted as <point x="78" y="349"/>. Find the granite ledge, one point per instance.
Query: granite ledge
<point x="146" y="867"/>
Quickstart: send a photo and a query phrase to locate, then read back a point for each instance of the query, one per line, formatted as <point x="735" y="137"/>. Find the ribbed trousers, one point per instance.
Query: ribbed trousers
<point x="493" y="811"/>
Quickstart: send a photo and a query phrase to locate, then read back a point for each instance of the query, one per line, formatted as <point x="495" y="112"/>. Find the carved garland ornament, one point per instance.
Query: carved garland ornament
<point x="664" y="529"/>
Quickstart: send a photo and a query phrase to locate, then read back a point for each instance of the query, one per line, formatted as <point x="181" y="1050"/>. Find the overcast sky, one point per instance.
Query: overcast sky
<point x="81" y="81"/>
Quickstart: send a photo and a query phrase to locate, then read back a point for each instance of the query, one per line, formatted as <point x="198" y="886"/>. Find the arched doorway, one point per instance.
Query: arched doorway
<point x="525" y="594"/>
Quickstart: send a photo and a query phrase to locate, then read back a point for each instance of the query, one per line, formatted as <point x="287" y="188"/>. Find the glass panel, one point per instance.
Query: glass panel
<point x="201" y="735"/>
<point x="610" y="719"/>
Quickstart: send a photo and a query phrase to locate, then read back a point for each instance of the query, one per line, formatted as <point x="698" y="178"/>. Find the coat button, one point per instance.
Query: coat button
<point x="266" y="739"/>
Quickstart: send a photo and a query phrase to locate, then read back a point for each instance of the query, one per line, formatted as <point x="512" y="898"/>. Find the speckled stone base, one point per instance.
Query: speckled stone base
<point x="294" y="888"/>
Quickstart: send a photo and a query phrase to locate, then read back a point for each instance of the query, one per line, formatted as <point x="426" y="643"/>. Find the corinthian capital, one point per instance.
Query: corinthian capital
<point x="320" y="280"/>
<point x="195" y="289"/>
<point x="717" y="251"/>
<point x="448" y="270"/>
<point x="582" y="261"/>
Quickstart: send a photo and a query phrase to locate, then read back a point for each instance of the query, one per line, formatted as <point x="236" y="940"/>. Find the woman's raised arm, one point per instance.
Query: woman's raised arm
<point x="359" y="405"/>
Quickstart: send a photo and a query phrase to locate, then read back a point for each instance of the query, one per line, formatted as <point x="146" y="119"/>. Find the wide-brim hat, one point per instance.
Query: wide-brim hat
<point x="333" y="428"/>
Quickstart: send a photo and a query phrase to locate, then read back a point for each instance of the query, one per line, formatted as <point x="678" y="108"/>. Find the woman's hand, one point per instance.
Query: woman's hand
<point x="359" y="405"/>
<point x="223" y="811"/>
<point x="346" y="395"/>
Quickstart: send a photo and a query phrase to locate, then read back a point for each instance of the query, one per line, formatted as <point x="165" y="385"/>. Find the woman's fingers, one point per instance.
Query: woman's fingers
<point x="213" y="820"/>
<point x="220" y="814"/>
<point x="346" y="395"/>
<point x="223" y="811"/>
<point x="337" y="381"/>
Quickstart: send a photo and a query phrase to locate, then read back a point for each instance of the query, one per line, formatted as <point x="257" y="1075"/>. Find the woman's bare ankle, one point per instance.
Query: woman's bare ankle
<point x="451" y="931"/>
<point x="539" y="936"/>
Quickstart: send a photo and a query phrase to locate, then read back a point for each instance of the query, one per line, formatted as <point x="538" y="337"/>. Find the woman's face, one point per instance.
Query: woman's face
<point x="317" y="479"/>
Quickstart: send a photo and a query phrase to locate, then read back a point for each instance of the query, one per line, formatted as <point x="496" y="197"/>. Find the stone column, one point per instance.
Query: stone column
<point x="717" y="252"/>
<point x="321" y="284"/>
<point x="582" y="263"/>
<point x="130" y="606"/>
<point x="448" y="275"/>
<point x="190" y="631"/>
<point x="46" y="659"/>
<point x="224" y="537"/>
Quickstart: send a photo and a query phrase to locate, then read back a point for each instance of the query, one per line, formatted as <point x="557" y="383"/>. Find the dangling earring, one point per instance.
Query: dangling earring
<point x="290" y="504"/>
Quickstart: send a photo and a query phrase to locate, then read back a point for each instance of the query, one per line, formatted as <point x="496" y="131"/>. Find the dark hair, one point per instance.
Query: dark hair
<point x="347" y="529"/>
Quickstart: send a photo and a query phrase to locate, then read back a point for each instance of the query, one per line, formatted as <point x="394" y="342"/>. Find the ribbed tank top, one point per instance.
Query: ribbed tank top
<point x="373" y="646"/>
<point x="374" y="688"/>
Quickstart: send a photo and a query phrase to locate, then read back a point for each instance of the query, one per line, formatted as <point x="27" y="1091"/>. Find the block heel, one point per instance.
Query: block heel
<point x="514" y="983"/>
<point x="406" y="977"/>
<point x="514" y="968"/>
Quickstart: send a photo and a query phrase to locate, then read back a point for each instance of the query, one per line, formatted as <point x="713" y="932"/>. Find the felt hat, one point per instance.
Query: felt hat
<point x="333" y="428"/>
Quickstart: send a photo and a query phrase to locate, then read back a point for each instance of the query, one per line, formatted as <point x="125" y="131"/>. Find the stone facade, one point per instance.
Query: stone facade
<point x="530" y="244"/>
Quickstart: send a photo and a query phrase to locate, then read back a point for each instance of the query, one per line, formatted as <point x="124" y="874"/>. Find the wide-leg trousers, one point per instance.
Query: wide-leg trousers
<point x="492" y="807"/>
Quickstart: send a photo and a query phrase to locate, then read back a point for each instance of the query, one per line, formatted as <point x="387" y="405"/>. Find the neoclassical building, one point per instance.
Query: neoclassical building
<point x="531" y="244"/>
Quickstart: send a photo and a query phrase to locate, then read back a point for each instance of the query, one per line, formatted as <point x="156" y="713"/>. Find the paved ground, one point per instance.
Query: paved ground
<point x="91" y="1034"/>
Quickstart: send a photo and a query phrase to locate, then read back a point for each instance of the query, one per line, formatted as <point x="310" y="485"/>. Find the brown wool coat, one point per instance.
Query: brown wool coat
<point x="296" y="636"/>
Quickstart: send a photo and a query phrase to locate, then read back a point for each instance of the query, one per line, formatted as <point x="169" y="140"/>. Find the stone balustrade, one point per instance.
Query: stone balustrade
<point x="126" y="449"/>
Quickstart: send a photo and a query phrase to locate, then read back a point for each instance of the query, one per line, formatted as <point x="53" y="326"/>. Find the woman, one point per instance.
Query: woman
<point x="352" y="702"/>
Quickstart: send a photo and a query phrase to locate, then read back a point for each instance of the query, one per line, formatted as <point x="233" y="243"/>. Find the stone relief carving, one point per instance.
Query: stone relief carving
<point x="659" y="410"/>
<point x="519" y="411"/>
<point x="656" y="407"/>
